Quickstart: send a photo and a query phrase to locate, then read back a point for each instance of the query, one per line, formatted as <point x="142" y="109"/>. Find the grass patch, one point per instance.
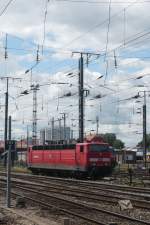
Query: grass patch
<point x="20" y="169"/>
<point x="17" y="169"/>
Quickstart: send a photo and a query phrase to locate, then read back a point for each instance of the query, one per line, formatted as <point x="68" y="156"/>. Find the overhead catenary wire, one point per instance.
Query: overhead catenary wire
<point x="99" y="24"/>
<point x="124" y="26"/>
<point x="126" y="7"/>
<point x="107" y="41"/>
<point x="102" y="2"/>
<point x="60" y="50"/>
<point x="5" y="7"/>
<point x="105" y="52"/>
<point x="108" y="28"/>
<point x="129" y="41"/>
<point x="44" y="24"/>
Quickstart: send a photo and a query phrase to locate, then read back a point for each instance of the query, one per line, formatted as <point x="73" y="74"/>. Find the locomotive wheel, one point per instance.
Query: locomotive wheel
<point x="34" y="171"/>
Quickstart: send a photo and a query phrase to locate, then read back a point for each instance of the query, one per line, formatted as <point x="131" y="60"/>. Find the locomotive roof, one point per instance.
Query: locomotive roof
<point x="54" y="146"/>
<point x="63" y="146"/>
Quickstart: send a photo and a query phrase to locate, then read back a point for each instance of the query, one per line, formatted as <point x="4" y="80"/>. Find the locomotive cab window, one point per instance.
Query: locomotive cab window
<point x="81" y="148"/>
<point x="98" y="148"/>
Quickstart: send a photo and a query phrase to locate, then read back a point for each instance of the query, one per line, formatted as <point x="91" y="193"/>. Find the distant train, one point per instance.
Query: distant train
<point x="88" y="159"/>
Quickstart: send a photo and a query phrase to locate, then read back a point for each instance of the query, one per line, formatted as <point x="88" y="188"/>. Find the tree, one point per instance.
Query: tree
<point x="118" y="144"/>
<point x="140" y="144"/>
<point x="111" y="139"/>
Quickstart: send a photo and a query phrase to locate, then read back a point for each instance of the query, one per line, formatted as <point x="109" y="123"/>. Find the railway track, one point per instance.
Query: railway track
<point x="88" y="184"/>
<point x="90" y="213"/>
<point x="84" y="193"/>
<point x="75" y="193"/>
<point x="97" y="186"/>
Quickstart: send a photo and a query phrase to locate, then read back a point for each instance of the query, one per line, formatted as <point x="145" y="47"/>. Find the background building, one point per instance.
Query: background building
<point x="55" y="134"/>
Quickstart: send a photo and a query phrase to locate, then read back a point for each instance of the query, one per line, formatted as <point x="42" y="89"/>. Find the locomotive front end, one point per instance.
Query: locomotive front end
<point x="99" y="159"/>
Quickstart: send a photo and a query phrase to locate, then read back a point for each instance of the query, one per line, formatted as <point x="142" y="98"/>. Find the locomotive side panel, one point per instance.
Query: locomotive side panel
<point x="62" y="159"/>
<point x="81" y="157"/>
<point x="51" y="158"/>
<point x="68" y="159"/>
<point x="36" y="157"/>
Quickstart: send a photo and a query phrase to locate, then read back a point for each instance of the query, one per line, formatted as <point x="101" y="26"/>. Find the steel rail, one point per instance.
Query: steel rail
<point x="90" y="183"/>
<point x="97" y="186"/>
<point x="102" y="189"/>
<point x="87" y="206"/>
<point x="78" y="193"/>
<point x="83" y="182"/>
<point x="48" y="205"/>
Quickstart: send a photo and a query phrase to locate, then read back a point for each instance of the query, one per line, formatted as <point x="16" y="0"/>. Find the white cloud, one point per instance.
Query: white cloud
<point x="66" y="22"/>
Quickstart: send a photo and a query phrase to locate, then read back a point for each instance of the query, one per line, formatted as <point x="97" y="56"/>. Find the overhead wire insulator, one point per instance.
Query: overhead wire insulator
<point x="100" y="108"/>
<point x="87" y="60"/>
<point x="58" y="104"/>
<point x="6" y="54"/>
<point x="27" y="71"/>
<point x="115" y="60"/>
<point x="133" y="110"/>
<point x="106" y="71"/>
<point x="42" y="104"/>
<point x="37" y="56"/>
<point x="118" y="109"/>
<point x="87" y="92"/>
<point x="99" y="77"/>
<point x="44" y="25"/>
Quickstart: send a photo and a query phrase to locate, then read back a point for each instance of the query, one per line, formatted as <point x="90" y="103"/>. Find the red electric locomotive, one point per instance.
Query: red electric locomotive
<point x="89" y="159"/>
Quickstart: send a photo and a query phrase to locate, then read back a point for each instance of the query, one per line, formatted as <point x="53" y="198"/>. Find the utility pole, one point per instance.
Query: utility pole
<point x="144" y="129"/>
<point x="21" y="148"/>
<point x="59" y="120"/>
<point x="81" y="90"/>
<point x="27" y="137"/>
<point x="53" y="125"/>
<point x="72" y="134"/>
<point x="6" y="112"/>
<point x="64" y="118"/>
<point x="81" y="100"/>
<point x="97" y="124"/>
<point x="34" y="88"/>
<point x="8" y="191"/>
<point x="27" y="142"/>
<point x="6" y="120"/>
<point x="6" y="102"/>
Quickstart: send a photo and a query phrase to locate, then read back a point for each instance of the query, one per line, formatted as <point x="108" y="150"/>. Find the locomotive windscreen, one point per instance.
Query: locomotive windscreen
<point x="98" y="148"/>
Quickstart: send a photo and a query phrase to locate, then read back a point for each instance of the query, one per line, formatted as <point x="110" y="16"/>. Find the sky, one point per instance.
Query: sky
<point x="37" y="41"/>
